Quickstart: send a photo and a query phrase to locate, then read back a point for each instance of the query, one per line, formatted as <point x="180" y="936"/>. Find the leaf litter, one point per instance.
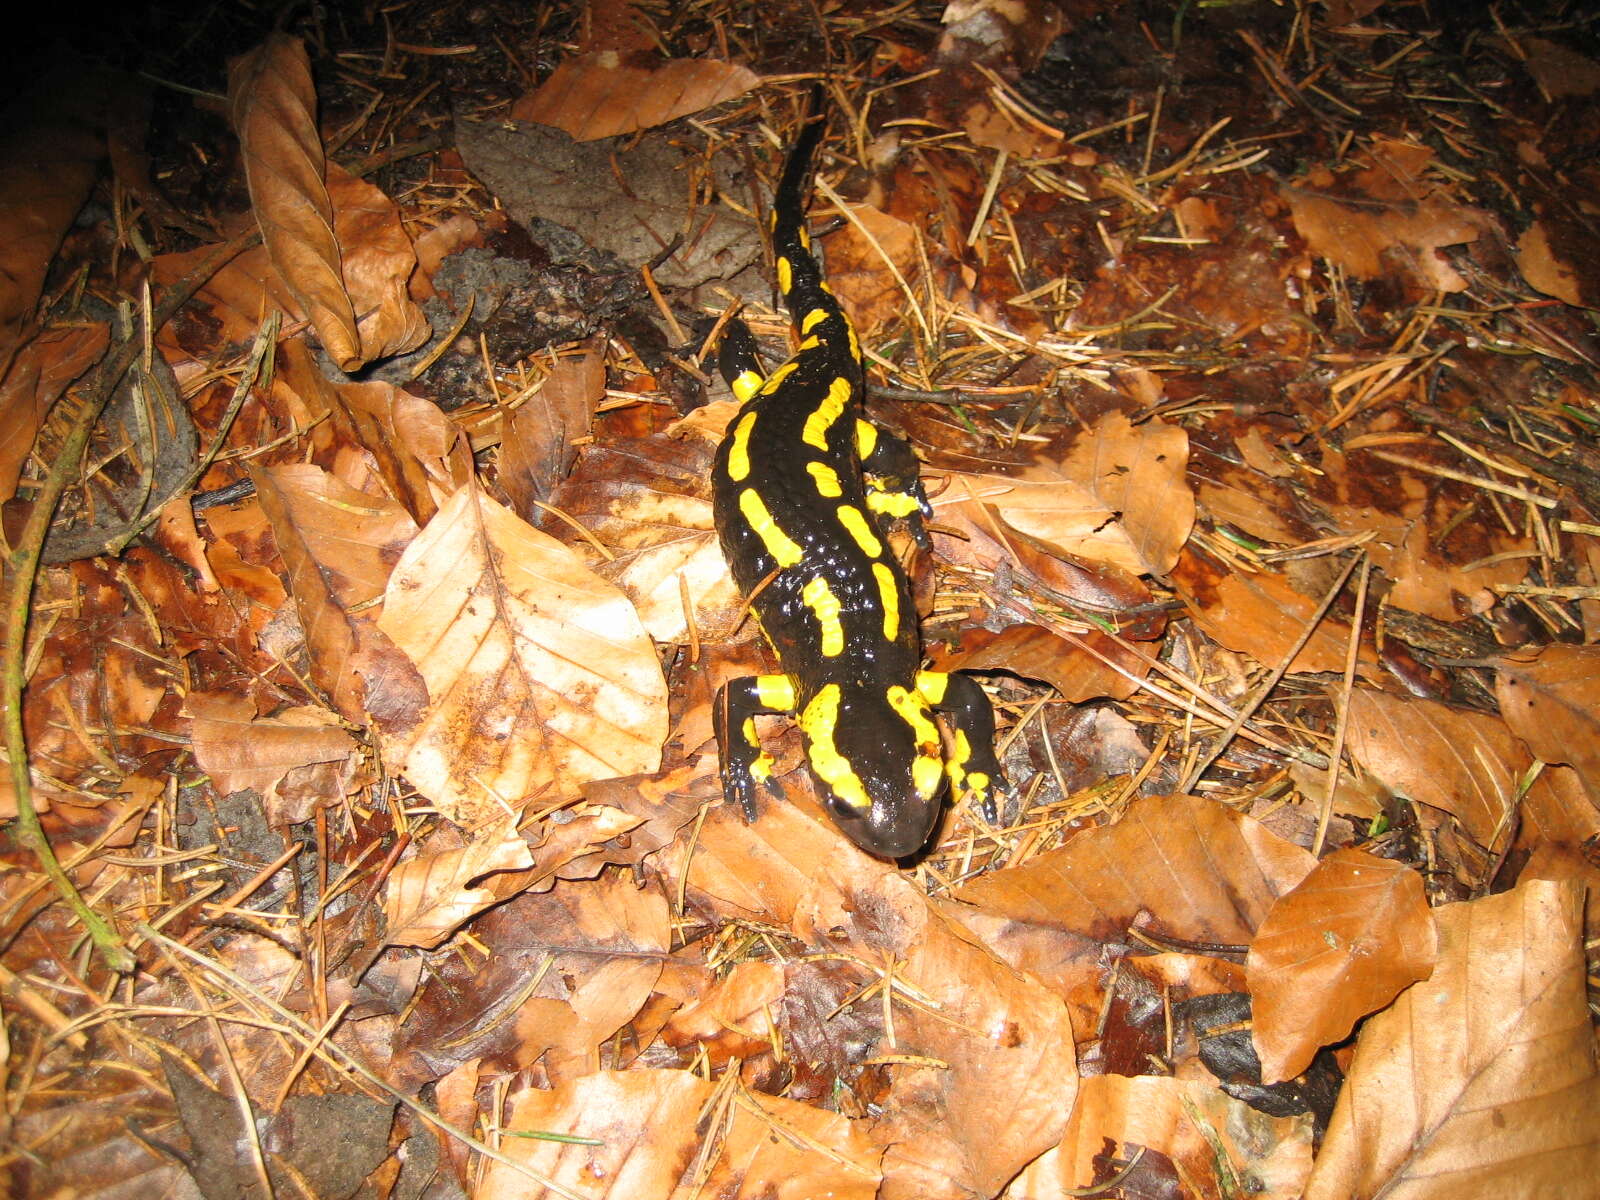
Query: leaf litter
<point x="365" y="680"/>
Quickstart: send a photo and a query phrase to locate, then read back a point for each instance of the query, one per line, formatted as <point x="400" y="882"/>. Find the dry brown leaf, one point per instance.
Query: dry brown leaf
<point x="1204" y="1143"/>
<point x="1481" y="1081"/>
<point x="49" y="156"/>
<point x="296" y="760"/>
<point x="539" y="673"/>
<point x="984" y="1039"/>
<point x="1037" y="653"/>
<point x="428" y="898"/>
<point x="1547" y="270"/>
<point x="1199" y="870"/>
<point x="338" y="546"/>
<point x="1119" y="496"/>
<point x="1370" y="238"/>
<point x="649" y="500"/>
<point x="601" y="95"/>
<point x="1464" y="763"/>
<point x="670" y="1135"/>
<point x="377" y="262"/>
<point x="537" y="448"/>
<point x="858" y="272"/>
<point x="39" y="374"/>
<point x="1263" y="615"/>
<point x="1342" y="944"/>
<point x="273" y="105"/>
<point x="740" y="1003"/>
<point x="1552" y="702"/>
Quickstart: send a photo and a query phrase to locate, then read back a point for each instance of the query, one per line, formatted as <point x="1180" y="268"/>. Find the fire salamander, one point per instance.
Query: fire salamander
<point x="804" y="489"/>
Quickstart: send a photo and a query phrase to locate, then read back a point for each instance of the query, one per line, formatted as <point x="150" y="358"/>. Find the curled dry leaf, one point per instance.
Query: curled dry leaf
<point x="1339" y="946"/>
<point x="338" y="546"/>
<point x="295" y="760"/>
<point x="982" y="1038"/>
<point x="1037" y="653"/>
<point x="1480" y="1081"/>
<point x="1196" y="1141"/>
<point x="1119" y="496"/>
<point x="600" y="95"/>
<point x="430" y="897"/>
<point x="670" y="1135"/>
<point x="377" y="262"/>
<point x="859" y="258"/>
<point x="273" y="105"/>
<point x="538" y="672"/>
<point x="40" y="372"/>
<point x="1199" y="870"/>
<point x="1464" y="763"/>
<point x="537" y="448"/>
<point x="1263" y="615"/>
<point x="1553" y="704"/>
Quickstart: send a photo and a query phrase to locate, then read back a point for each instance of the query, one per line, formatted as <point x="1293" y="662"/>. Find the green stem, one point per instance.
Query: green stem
<point x="22" y="570"/>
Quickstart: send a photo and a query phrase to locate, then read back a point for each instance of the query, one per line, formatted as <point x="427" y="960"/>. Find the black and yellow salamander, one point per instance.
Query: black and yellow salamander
<point x="804" y="489"/>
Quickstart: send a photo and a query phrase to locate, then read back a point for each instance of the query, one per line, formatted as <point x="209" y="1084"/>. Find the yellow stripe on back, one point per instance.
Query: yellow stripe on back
<point x="785" y="275"/>
<point x="739" y="448"/>
<point x="888" y="599"/>
<point x="856" y="524"/>
<point x="778" y="543"/>
<point x="824" y="605"/>
<point x="827" y="480"/>
<point x="829" y="411"/>
<point x="778" y="376"/>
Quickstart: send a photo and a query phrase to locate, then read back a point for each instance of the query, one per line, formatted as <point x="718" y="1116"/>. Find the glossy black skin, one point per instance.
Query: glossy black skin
<point x="875" y="739"/>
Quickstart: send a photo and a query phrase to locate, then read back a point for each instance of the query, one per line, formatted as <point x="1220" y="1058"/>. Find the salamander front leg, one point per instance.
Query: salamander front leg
<point x="739" y="360"/>
<point x="972" y="765"/>
<point x="894" y="481"/>
<point x="743" y="761"/>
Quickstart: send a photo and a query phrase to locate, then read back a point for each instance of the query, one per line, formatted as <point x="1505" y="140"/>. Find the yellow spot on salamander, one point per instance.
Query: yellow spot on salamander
<point x="812" y="319"/>
<point x="914" y="711"/>
<point x="856" y="525"/>
<point x="893" y="504"/>
<point x="928" y="771"/>
<point x="821" y="420"/>
<point x="751" y="737"/>
<point x="805" y="237"/>
<point x="933" y="685"/>
<point x="785" y="275"/>
<point x="778" y="543"/>
<point x="818" y="723"/>
<point x="866" y="438"/>
<point x="775" y="692"/>
<point x="746" y="384"/>
<point x="811" y="343"/>
<point x="739" y="448"/>
<point x="778" y="376"/>
<point x="827" y="479"/>
<point x="824" y="605"/>
<point x="888" y="599"/>
<point x="761" y="769"/>
<point x="855" y="343"/>
<point x="956" y="765"/>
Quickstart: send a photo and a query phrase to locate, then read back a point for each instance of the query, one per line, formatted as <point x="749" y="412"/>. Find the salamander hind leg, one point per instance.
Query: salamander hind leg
<point x="739" y="361"/>
<point x="972" y="765"/>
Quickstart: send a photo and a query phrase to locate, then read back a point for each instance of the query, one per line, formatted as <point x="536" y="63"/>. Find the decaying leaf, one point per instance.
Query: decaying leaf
<point x="652" y="1137"/>
<point x="1188" y="1139"/>
<point x="600" y="95"/>
<point x="1480" y="1081"/>
<point x="1341" y="945"/>
<point x="538" y="672"/>
<point x="1553" y="704"/>
<point x="981" y="1037"/>
<point x="428" y="898"/>
<point x="295" y="760"/>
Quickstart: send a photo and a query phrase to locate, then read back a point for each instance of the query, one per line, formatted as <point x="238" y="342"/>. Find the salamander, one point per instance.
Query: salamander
<point x="804" y="491"/>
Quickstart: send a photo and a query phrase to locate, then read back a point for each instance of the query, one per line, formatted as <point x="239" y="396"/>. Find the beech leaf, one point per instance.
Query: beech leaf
<point x="1339" y="946"/>
<point x="1480" y="1081"/>
<point x="538" y="672"/>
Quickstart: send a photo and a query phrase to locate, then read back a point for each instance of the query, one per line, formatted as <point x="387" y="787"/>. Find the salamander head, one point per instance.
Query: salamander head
<point x="876" y="758"/>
